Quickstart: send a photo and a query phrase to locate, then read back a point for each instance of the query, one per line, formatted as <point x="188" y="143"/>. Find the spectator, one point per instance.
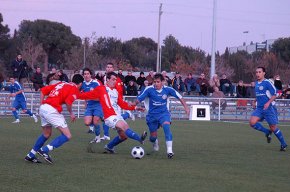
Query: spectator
<point x="251" y="93"/>
<point x="140" y="80"/>
<point x="177" y="82"/>
<point x="129" y="78"/>
<point x="37" y="79"/>
<point x="146" y="84"/>
<point x="202" y="85"/>
<point x="190" y="83"/>
<point x="52" y="78"/>
<point x="287" y="92"/>
<point x="132" y="89"/>
<point x="279" y="86"/>
<point x="53" y="70"/>
<point x="121" y="76"/>
<point x="217" y="94"/>
<point x="214" y="82"/>
<point x="19" y="68"/>
<point x="62" y="76"/>
<point x="167" y="81"/>
<point x="1" y="81"/>
<point x="241" y="93"/>
<point x="100" y="76"/>
<point x="226" y="85"/>
<point x="149" y="77"/>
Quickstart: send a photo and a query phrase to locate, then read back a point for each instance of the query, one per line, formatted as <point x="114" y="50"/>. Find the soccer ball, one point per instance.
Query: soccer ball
<point x="137" y="152"/>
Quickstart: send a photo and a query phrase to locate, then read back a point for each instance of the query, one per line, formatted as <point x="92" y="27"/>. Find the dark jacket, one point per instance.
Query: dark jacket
<point x="37" y="78"/>
<point x="19" y="68"/>
<point x="132" y="90"/>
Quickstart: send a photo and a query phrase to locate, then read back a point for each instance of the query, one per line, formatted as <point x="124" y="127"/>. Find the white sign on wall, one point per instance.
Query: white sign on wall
<point x="199" y="112"/>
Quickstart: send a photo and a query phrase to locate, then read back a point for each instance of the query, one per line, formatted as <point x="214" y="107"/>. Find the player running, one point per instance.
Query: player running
<point x="266" y="109"/>
<point x="19" y="102"/>
<point x="50" y="113"/>
<point x="110" y="101"/>
<point x="158" y="113"/>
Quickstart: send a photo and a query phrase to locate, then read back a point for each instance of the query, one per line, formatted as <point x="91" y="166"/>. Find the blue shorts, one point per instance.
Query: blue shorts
<point x="270" y="115"/>
<point x="154" y="121"/>
<point x="94" y="111"/>
<point x="17" y="104"/>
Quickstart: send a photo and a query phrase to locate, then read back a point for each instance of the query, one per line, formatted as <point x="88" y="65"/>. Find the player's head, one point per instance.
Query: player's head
<point x="111" y="79"/>
<point x="11" y="79"/>
<point x="110" y="67"/>
<point x="87" y="73"/>
<point x="158" y="81"/>
<point x="260" y="73"/>
<point x="78" y="80"/>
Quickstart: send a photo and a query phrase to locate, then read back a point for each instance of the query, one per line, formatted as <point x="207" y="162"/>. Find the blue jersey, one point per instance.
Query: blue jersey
<point x="158" y="99"/>
<point x="88" y="86"/>
<point x="264" y="91"/>
<point x="15" y="87"/>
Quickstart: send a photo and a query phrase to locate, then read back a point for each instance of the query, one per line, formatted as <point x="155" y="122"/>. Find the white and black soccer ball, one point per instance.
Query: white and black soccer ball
<point x="137" y="152"/>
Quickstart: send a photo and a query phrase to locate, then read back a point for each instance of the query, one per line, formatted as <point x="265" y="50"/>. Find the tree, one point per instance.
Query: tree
<point x="4" y="41"/>
<point x="56" y="38"/>
<point x="281" y="48"/>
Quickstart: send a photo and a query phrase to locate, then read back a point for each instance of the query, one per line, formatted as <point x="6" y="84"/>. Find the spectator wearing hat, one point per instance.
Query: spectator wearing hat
<point x="140" y="80"/>
<point x="177" y="82"/>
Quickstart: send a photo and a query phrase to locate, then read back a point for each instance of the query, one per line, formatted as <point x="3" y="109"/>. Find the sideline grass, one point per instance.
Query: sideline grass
<point x="209" y="156"/>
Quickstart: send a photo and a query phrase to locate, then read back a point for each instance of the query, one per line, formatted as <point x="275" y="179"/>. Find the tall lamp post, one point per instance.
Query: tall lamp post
<point x="213" y="45"/>
<point x="158" y="64"/>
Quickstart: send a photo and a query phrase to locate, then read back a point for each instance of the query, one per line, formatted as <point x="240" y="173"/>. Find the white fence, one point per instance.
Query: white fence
<point x="236" y="109"/>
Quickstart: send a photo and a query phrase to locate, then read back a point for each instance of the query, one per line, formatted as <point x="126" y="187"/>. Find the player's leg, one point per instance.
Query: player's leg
<point x="27" y="111"/>
<point x="123" y="126"/>
<point x="116" y="141"/>
<point x="97" y="130"/>
<point x="153" y="127"/>
<point x="128" y="114"/>
<point x="165" y="121"/>
<point x="257" y="115"/>
<point x="271" y="117"/>
<point x="88" y="120"/>
<point x="106" y="129"/>
<point x="15" y="108"/>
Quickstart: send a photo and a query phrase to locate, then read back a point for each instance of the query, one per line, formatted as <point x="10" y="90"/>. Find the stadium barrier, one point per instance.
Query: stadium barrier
<point x="237" y="109"/>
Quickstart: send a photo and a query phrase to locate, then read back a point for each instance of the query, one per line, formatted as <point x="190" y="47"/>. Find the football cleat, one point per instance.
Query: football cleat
<point x="170" y="155"/>
<point x="112" y="151"/>
<point x="16" y="121"/>
<point x="90" y="131"/>
<point x="97" y="139"/>
<point x="143" y="137"/>
<point x="32" y="160"/>
<point x="156" y="145"/>
<point x="268" y="136"/>
<point x="35" y="118"/>
<point x="106" y="138"/>
<point x="283" y="147"/>
<point x="46" y="157"/>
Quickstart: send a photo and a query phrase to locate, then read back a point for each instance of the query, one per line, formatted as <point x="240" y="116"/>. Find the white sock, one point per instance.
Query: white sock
<point x="169" y="146"/>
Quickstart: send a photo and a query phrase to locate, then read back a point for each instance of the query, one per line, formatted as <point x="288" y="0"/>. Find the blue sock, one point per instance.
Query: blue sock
<point x="125" y="115"/>
<point x="167" y="132"/>
<point x="259" y="127"/>
<point x="29" y="112"/>
<point x="38" y="144"/>
<point x="57" y="142"/>
<point x="152" y="139"/>
<point x="106" y="129"/>
<point x="15" y="114"/>
<point x="280" y="137"/>
<point x="133" y="135"/>
<point x="115" y="142"/>
<point x="97" y="130"/>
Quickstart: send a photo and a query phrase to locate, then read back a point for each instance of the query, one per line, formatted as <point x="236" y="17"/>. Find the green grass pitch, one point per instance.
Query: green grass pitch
<point x="209" y="156"/>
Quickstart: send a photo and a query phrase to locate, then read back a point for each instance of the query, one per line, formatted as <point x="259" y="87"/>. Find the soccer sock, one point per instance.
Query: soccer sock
<point x="280" y="137"/>
<point x="115" y="142"/>
<point x="106" y="130"/>
<point x="125" y="115"/>
<point x="133" y="135"/>
<point x="29" y="112"/>
<point x="169" y="146"/>
<point x="92" y="127"/>
<point x="38" y="144"/>
<point x="15" y="114"/>
<point x="167" y="132"/>
<point x="57" y="142"/>
<point x="259" y="127"/>
<point x="152" y="139"/>
<point x="97" y="130"/>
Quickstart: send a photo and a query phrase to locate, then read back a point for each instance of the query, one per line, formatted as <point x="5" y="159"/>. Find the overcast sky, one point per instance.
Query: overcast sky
<point x="189" y="21"/>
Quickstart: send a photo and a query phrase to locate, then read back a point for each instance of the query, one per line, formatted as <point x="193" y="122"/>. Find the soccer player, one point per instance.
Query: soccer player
<point x="265" y="96"/>
<point x="110" y="101"/>
<point x="17" y="91"/>
<point x="94" y="111"/>
<point x="158" y="113"/>
<point x="50" y="113"/>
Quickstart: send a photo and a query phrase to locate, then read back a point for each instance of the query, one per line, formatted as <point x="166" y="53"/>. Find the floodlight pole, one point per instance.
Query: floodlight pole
<point x="213" y="46"/>
<point x="158" y="64"/>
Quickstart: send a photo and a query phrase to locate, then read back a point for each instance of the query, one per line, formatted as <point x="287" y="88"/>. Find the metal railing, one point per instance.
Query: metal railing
<point x="237" y="109"/>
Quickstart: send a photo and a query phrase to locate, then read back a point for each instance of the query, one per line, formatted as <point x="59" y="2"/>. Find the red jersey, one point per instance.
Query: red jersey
<point x="109" y="99"/>
<point x="119" y="85"/>
<point x="60" y="93"/>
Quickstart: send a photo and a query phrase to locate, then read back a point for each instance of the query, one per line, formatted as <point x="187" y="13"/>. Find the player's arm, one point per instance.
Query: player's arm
<point x="273" y="92"/>
<point x="124" y="105"/>
<point x="74" y="92"/>
<point x="175" y="94"/>
<point x="182" y="101"/>
<point x="142" y="96"/>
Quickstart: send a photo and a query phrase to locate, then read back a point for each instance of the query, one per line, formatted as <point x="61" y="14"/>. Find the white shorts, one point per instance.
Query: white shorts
<point x="51" y="117"/>
<point x="112" y="121"/>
